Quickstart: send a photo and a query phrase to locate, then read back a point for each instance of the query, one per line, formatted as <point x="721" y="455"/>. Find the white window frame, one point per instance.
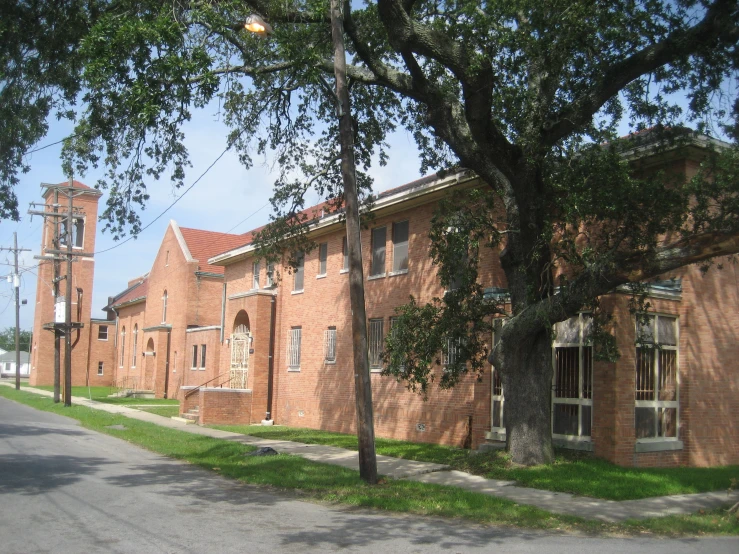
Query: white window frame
<point x="376" y="248"/>
<point x="656" y="404"/>
<point x="322" y="260"/>
<point x="255" y="275"/>
<point x="376" y="343"/>
<point x="329" y="345"/>
<point x="497" y="394"/>
<point x="135" y="345"/>
<point x="584" y="397"/>
<point x="294" y="342"/>
<point x="270" y="275"/>
<point x="203" y="356"/>
<point x="194" y="357"/>
<point x="101" y="367"/>
<point x="299" y="270"/>
<point x="397" y="269"/>
<point x="100" y="331"/>
<point x="164" y="307"/>
<point x="123" y="345"/>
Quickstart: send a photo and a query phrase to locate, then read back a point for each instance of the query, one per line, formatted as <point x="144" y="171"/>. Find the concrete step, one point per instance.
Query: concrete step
<point x="489" y="445"/>
<point x="182" y="419"/>
<point x="190" y="417"/>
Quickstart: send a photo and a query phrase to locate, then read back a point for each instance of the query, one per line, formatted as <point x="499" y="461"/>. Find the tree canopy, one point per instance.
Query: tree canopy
<point x="529" y="95"/>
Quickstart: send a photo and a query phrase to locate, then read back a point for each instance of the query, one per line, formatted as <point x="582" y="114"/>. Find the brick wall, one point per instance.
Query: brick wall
<point x="225" y="407"/>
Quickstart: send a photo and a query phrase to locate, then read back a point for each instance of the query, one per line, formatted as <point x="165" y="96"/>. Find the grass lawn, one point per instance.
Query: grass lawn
<point x="101" y="394"/>
<point x="335" y="484"/>
<point x="572" y="472"/>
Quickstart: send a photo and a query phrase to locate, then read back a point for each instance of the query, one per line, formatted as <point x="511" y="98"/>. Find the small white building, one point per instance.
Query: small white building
<point x="7" y="364"/>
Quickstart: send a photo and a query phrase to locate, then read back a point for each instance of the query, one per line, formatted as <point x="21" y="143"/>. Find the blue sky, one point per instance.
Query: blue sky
<point x="221" y="201"/>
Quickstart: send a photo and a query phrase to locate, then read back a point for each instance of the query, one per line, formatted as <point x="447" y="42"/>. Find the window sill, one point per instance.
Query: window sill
<point x="376" y="370"/>
<point x="378" y="276"/>
<point x="399" y="272"/>
<point x="321" y="276"/>
<point x="342" y="271"/>
<point x="495" y="435"/>
<point x="327" y="362"/>
<point x="658" y="445"/>
<point x="297" y="291"/>
<point x="293" y="370"/>
<point x="193" y="369"/>
<point x="103" y="340"/>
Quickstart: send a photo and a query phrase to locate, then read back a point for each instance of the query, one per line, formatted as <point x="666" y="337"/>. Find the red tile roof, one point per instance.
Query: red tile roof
<point x="206" y="244"/>
<point x="135" y="291"/>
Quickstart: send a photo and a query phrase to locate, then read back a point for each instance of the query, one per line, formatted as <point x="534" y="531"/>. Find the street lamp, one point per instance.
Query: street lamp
<point x="362" y="383"/>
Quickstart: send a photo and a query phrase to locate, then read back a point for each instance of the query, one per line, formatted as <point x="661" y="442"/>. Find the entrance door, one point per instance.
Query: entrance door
<point x="240" y="343"/>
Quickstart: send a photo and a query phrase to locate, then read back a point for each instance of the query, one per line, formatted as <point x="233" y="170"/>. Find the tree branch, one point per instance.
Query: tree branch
<point x="717" y="25"/>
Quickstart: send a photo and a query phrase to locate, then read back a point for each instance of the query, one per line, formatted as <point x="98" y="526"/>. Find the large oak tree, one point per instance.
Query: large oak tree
<point x="526" y="94"/>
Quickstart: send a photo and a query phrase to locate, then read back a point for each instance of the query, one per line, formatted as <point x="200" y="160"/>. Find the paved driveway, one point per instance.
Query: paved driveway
<point x="64" y="489"/>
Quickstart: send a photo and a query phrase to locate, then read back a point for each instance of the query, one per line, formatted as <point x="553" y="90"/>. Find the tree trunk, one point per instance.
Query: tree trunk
<point x="527" y="381"/>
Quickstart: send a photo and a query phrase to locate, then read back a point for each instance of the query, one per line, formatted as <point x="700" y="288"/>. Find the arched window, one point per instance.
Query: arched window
<point x="164" y="307"/>
<point x="135" y="344"/>
<point x="123" y="345"/>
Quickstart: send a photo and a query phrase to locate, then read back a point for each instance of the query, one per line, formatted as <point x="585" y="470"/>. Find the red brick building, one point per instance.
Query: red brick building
<point x="169" y="321"/>
<point x="92" y="353"/>
<point x="244" y="342"/>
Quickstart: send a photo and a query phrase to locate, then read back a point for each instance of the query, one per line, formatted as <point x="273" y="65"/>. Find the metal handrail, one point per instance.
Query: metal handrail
<point x="196" y="389"/>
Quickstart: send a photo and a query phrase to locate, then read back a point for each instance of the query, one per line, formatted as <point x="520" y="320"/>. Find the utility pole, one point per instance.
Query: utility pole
<point x="16" y="286"/>
<point x="362" y="382"/>
<point x="56" y="255"/>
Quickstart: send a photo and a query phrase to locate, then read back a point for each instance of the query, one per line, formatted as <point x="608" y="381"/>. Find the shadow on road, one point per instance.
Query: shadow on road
<point x="26" y="474"/>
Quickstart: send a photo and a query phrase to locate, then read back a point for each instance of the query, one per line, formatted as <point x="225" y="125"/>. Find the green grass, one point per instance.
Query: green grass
<point x="572" y="472"/>
<point x="166" y="411"/>
<point x="334" y="484"/>
<point x="101" y="394"/>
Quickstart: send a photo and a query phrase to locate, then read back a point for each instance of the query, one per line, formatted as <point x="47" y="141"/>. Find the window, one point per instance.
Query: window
<point x="103" y="332"/>
<point x="376" y="343"/>
<point x="255" y="275"/>
<point x="572" y="399"/>
<point x="322" y="258"/>
<point x="452" y="351"/>
<point x="78" y="232"/>
<point x="293" y="348"/>
<point x="329" y="345"/>
<point x="100" y="368"/>
<point x="270" y="275"/>
<point x="400" y="246"/>
<point x="497" y="404"/>
<point x="135" y="345"/>
<point x="345" y="251"/>
<point x="123" y="345"/>
<point x="202" y="356"/>
<point x="656" y="410"/>
<point x="299" y="273"/>
<point x="377" y="266"/>
<point x="164" y="307"/>
<point x="194" y="356"/>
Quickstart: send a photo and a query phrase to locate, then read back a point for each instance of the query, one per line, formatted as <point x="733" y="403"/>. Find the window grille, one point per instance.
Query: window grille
<point x="451" y="356"/>
<point x="293" y="348"/>
<point x="376" y="338"/>
<point x="377" y="267"/>
<point x="322" y="258"/>
<point x="656" y="378"/>
<point x="400" y="246"/>
<point x="572" y="398"/>
<point x="329" y="345"/>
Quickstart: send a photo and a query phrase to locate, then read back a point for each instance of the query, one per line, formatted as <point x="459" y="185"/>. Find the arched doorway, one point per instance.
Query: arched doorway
<point x="149" y="365"/>
<point x="240" y="344"/>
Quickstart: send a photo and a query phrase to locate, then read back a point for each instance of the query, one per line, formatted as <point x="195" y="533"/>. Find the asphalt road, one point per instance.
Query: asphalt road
<point x="65" y="489"/>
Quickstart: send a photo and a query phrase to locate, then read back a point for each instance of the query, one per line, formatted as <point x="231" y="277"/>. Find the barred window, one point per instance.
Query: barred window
<point x="329" y="345"/>
<point x="572" y="398"/>
<point x="376" y="343"/>
<point x="656" y="379"/>
<point x="451" y="356"/>
<point x="293" y="348"/>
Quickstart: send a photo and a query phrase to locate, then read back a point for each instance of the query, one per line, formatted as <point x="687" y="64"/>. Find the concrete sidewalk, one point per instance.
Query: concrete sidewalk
<point x="426" y="472"/>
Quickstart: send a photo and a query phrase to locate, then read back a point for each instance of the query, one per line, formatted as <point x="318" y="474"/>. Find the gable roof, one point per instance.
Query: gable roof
<point x="75" y="184"/>
<point x="201" y="245"/>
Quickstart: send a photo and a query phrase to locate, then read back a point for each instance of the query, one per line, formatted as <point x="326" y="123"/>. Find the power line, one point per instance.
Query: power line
<point x="188" y="189"/>
<point x="49" y="145"/>
<point x="247" y="217"/>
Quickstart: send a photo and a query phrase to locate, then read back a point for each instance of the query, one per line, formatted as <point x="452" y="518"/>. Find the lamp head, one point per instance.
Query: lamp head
<point x="255" y="24"/>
